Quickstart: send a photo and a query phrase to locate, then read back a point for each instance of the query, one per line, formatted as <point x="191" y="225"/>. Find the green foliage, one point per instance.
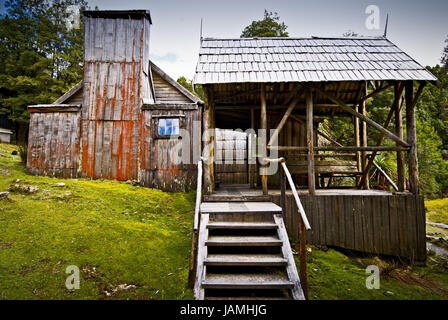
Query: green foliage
<point x="432" y="107"/>
<point x="433" y="170"/>
<point x="444" y="59"/>
<point x="197" y="90"/>
<point x="269" y="26"/>
<point x="41" y="58"/>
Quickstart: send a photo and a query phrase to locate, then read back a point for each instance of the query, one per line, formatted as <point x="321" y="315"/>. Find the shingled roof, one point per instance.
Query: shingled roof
<point x="305" y="59"/>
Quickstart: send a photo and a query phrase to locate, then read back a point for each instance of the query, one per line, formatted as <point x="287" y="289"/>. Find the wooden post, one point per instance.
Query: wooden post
<point x="357" y="144"/>
<point x="302" y="255"/>
<point x="364" y="141"/>
<point x="283" y="192"/>
<point x="310" y="141"/>
<point x="401" y="183"/>
<point x="411" y="134"/>
<point x="264" y="126"/>
<point x="209" y="141"/>
<point x="252" y="166"/>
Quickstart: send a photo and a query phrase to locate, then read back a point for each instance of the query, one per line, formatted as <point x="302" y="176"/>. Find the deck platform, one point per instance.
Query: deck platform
<point x="372" y="221"/>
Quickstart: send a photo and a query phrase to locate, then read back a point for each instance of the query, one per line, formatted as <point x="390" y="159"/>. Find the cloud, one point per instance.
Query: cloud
<point x="169" y="57"/>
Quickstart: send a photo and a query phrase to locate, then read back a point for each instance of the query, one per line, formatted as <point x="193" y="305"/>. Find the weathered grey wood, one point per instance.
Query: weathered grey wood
<point x="395" y="105"/>
<point x="362" y="117"/>
<point x="401" y="169"/>
<point x="246" y="281"/>
<point x="242" y="207"/>
<point x="243" y="241"/>
<point x="202" y="253"/>
<point x="245" y="260"/>
<point x="264" y="126"/>
<point x="291" y="269"/>
<point x="411" y="133"/>
<point x="310" y="141"/>
<point x="241" y="225"/>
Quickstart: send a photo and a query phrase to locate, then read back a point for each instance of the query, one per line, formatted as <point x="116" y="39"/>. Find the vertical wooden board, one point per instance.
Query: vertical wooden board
<point x="350" y="230"/>
<point x="411" y="233"/>
<point x="107" y="151"/>
<point x="329" y="219"/>
<point x="109" y="38"/>
<point x="403" y="226"/>
<point x="394" y="225"/>
<point x="91" y="149"/>
<point x="385" y="226"/>
<point x="340" y="217"/>
<point x="120" y="36"/>
<point x="98" y="149"/>
<point x="375" y="209"/>
<point x="319" y="206"/>
<point x="358" y="223"/>
<point x="48" y="134"/>
<point x="370" y="228"/>
<point x="421" y="228"/>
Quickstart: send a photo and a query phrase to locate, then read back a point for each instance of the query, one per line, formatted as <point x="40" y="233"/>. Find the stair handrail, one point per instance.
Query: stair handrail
<point x="196" y="221"/>
<point x="303" y="221"/>
<point x="282" y="162"/>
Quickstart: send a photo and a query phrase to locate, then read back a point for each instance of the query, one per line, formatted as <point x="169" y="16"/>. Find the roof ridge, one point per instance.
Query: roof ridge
<point x="297" y="38"/>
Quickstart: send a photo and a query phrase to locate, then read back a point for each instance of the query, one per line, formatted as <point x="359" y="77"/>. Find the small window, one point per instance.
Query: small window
<point x="168" y="126"/>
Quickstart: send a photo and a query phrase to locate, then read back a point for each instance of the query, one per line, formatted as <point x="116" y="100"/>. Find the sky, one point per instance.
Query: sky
<point x="417" y="27"/>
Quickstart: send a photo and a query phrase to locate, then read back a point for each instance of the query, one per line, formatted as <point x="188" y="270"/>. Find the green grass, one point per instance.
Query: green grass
<point x="114" y="232"/>
<point x="333" y="275"/>
<point x="437" y="210"/>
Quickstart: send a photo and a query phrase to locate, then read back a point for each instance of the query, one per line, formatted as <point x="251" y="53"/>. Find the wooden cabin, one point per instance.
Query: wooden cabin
<point x="286" y="87"/>
<point x="124" y="120"/>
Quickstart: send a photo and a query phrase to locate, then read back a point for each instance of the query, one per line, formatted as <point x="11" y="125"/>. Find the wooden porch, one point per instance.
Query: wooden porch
<point x="371" y="221"/>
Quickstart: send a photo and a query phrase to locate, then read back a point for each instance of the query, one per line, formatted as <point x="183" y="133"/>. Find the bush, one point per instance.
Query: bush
<point x="23" y="152"/>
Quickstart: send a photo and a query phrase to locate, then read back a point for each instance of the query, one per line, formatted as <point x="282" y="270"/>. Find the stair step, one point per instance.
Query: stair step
<point x="247" y="298"/>
<point x="240" y="207"/>
<point x="246" y="281"/>
<point x="241" y="225"/>
<point x="243" y="241"/>
<point x="233" y="198"/>
<point x="245" y="260"/>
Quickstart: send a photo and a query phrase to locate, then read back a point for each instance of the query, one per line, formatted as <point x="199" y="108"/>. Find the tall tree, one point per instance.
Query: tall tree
<point x="269" y="26"/>
<point x="188" y="84"/>
<point x="41" y="57"/>
<point x="445" y="55"/>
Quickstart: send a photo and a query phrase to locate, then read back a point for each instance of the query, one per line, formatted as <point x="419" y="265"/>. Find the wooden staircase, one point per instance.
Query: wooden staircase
<point x="244" y="253"/>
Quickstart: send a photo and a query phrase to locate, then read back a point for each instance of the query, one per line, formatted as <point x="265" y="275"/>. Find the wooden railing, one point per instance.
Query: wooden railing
<point x="194" y="243"/>
<point x="303" y="220"/>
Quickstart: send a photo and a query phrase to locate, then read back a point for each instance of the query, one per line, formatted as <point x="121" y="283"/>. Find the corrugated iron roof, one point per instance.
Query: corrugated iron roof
<point x="306" y="59"/>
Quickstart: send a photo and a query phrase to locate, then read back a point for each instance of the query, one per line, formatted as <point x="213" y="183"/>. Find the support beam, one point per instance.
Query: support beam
<point x="345" y="148"/>
<point x="264" y="126"/>
<point x="298" y="93"/>
<point x="401" y="169"/>
<point x="411" y="134"/>
<point x="395" y="105"/>
<point x="362" y="117"/>
<point x="209" y="141"/>
<point x="310" y="141"/>
<point x="252" y="166"/>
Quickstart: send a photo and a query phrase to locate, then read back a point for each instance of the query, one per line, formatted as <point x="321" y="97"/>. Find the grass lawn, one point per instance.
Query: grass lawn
<point x="437" y="210"/>
<point x="334" y="275"/>
<point x="117" y="234"/>
<point x="121" y="235"/>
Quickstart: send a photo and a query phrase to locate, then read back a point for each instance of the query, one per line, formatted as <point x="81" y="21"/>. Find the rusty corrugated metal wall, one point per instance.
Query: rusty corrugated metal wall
<point x="116" y="52"/>
<point x="112" y="136"/>
<point x="54" y="141"/>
